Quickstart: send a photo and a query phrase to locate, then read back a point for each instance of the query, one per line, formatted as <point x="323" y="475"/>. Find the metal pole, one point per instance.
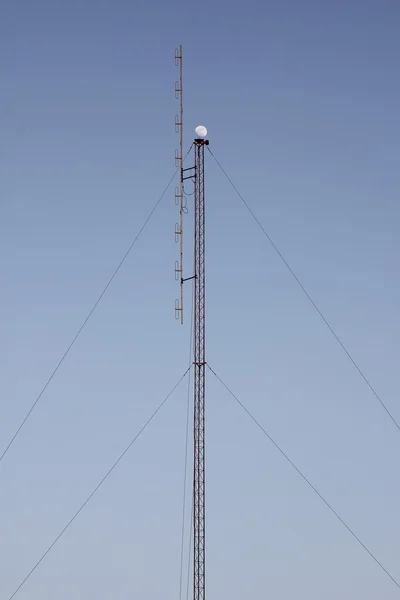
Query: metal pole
<point x="179" y="192"/>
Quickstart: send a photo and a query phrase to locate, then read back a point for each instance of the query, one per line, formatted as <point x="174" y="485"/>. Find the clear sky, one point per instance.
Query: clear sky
<point x="301" y="100"/>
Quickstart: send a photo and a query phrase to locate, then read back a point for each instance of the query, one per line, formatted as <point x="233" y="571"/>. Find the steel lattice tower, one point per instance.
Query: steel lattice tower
<point x="199" y="374"/>
<point x="196" y="175"/>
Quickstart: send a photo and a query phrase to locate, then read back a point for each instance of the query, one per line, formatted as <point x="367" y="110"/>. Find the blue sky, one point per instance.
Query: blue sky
<point x="301" y="103"/>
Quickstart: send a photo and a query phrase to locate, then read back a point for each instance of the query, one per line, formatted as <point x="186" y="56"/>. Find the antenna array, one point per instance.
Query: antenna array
<point x="179" y="191"/>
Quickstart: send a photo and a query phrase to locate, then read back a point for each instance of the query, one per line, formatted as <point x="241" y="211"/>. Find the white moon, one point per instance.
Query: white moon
<point x="201" y="131"/>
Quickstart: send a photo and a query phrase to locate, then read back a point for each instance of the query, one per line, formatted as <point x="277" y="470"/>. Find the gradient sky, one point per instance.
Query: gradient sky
<point x="301" y="99"/>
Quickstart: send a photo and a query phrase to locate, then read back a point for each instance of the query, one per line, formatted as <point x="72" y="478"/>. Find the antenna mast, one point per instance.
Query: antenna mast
<point x="196" y="174"/>
<point x="199" y="501"/>
<point x="179" y="191"/>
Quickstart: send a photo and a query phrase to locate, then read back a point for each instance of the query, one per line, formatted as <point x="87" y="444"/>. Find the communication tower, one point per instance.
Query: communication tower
<point x="196" y="174"/>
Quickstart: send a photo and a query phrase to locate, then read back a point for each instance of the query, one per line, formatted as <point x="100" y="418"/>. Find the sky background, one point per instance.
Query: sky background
<point x="301" y="100"/>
